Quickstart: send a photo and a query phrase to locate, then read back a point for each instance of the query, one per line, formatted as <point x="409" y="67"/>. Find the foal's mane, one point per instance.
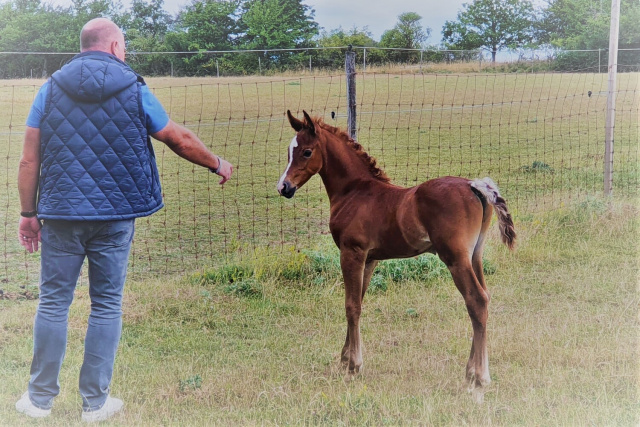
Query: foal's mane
<point x="370" y="161"/>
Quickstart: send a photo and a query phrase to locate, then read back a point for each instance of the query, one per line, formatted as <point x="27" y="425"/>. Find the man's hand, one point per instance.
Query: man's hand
<point x="225" y="169"/>
<point x="29" y="233"/>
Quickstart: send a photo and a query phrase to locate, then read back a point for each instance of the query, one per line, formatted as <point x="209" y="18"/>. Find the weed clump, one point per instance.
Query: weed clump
<point x="537" y="166"/>
<point x="192" y="383"/>
<point x="319" y="267"/>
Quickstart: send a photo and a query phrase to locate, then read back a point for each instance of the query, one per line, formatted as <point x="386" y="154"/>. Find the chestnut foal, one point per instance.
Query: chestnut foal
<point x="372" y="220"/>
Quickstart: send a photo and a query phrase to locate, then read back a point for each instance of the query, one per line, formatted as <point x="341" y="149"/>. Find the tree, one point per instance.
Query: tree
<point x="491" y="25"/>
<point x="146" y="26"/>
<point x="584" y="25"/>
<point x="408" y="33"/>
<point x="278" y="24"/>
<point x="85" y="10"/>
<point x="149" y="19"/>
<point x="207" y="25"/>
<point x="33" y="26"/>
<point x="334" y="58"/>
<point x="204" y="25"/>
<point x="29" y="26"/>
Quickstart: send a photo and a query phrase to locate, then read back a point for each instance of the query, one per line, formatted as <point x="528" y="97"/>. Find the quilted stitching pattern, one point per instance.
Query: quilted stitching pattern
<point x="97" y="161"/>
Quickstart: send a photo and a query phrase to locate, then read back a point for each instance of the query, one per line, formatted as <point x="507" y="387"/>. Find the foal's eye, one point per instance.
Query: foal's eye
<point x="307" y="153"/>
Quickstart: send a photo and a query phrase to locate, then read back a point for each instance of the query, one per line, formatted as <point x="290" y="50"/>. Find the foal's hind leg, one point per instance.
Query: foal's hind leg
<point x="477" y="302"/>
<point x="369" y="267"/>
<point x="476" y="263"/>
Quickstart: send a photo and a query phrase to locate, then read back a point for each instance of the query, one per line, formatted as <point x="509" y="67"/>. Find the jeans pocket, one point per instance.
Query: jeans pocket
<point x="62" y="236"/>
<point x="119" y="233"/>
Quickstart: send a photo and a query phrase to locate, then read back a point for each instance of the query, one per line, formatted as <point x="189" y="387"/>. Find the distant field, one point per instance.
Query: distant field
<point x="539" y="136"/>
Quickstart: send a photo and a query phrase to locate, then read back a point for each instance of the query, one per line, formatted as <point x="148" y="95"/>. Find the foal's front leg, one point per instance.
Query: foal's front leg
<point x="352" y="262"/>
<point x="369" y="267"/>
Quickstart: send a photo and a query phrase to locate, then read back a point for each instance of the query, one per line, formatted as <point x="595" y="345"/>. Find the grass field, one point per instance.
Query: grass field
<point x="234" y="308"/>
<point x="539" y="136"/>
<point x="257" y="342"/>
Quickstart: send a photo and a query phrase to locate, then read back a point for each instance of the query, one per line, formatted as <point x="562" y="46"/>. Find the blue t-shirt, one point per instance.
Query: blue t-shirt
<point x="157" y="117"/>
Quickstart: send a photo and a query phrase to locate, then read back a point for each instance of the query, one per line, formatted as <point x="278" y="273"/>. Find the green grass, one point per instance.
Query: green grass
<point x="563" y="337"/>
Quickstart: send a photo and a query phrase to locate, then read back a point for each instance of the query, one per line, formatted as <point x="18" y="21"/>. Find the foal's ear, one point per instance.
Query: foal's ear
<point x="296" y="124"/>
<point x="308" y="123"/>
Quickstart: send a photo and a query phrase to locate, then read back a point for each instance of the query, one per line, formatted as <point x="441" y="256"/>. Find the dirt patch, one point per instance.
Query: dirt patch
<point x="18" y="295"/>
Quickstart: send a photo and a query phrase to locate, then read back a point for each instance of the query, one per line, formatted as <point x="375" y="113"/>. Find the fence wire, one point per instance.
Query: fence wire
<point x="539" y="136"/>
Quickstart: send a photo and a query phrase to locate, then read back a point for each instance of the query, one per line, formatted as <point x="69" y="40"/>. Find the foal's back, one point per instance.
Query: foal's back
<point x="389" y="221"/>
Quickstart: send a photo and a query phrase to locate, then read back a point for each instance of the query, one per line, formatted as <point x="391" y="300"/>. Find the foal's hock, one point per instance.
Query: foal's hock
<point x="372" y="220"/>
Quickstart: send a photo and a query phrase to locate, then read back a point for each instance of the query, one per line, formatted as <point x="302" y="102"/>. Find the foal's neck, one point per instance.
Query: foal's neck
<point x="342" y="168"/>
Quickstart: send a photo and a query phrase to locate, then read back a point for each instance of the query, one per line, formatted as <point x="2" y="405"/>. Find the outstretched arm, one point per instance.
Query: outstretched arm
<point x="187" y="145"/>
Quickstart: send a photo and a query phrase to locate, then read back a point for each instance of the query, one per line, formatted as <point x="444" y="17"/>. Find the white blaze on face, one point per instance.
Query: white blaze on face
<point x="294" y="144"/>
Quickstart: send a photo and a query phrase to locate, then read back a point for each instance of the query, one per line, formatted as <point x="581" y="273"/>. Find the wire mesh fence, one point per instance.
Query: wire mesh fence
<point x="540" y="136"/>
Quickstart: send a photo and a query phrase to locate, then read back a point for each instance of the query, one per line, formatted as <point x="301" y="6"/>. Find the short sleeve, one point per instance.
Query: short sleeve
<point x="157" y="117"/>
<point x="37" y="108"/>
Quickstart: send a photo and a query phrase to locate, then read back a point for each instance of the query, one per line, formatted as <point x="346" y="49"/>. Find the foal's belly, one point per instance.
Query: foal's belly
<point x="402" y="247"/>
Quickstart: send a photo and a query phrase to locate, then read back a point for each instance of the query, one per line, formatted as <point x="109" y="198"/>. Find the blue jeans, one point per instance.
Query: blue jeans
<point x="65" y="244"/>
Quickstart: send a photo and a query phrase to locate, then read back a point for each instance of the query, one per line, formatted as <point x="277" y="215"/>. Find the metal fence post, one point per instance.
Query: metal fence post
<point x="611" y="97"/>
<point x="364" y="59"/>
<point x="350" y="70"/>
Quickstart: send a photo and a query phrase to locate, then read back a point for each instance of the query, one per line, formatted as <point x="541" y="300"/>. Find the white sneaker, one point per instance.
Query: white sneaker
<point x="25" y="406"/>
<point x="111" y="407"/>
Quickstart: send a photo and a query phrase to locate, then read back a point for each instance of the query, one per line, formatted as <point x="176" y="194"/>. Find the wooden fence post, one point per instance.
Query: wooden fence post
<point x="350" y="70"/>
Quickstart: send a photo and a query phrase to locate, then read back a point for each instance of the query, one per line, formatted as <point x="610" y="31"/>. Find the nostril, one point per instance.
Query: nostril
<point x="283" y="187"/>
<point x="288" y="190"/>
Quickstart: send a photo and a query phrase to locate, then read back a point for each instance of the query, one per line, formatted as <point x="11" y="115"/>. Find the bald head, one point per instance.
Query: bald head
<point x="103" y="35"/>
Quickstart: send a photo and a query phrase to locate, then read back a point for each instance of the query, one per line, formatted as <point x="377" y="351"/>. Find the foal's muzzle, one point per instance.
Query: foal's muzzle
<point x="287" y="190"/>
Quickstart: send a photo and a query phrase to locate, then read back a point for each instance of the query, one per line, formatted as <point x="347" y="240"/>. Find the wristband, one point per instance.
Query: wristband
<point x="216" y="170"/>
<point x="28" y="214"/>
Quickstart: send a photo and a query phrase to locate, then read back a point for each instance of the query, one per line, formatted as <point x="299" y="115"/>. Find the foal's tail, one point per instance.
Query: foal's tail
<point x="489" y="190"/>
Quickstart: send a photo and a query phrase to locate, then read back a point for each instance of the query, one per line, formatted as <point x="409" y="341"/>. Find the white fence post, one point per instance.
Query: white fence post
<point x="611" y="97"/>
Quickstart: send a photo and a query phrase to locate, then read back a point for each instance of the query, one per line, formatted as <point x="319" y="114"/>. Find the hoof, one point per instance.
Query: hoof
<point x="477" y="387"/>
<point x="478" y="395"/>
<point x="355" y="370"/>
<point x="474" y="381"/>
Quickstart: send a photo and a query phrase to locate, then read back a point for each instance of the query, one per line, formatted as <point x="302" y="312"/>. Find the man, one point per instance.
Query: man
<point x="87" y="171"/>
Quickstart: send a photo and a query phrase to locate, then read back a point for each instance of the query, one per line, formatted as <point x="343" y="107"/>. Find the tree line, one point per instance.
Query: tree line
<point x="278" y="35"/>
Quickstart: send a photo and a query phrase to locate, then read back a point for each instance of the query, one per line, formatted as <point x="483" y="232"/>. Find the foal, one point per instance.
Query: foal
<point x="372" y="220"/>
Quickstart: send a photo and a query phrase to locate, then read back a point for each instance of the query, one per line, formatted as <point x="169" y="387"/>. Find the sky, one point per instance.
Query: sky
<point x="377" y="15"/>
<point x="381" y="15"/>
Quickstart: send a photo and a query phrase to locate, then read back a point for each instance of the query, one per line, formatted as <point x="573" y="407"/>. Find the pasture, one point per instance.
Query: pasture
<point x="539" y="136"/>
<point x="234" y="311"/>
<point x="264" y="349"/>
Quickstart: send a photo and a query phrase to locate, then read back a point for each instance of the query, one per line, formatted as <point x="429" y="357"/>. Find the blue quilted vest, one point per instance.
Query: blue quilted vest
<point x="97" y="159"/>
